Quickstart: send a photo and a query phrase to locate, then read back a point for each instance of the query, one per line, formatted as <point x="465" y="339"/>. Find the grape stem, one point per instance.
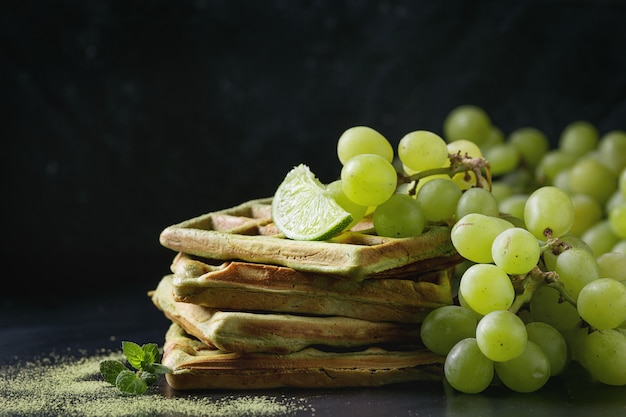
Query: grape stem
<point x="458" y="164"/>
<point x="527" y="284"/>
<point x="556" y="245"/>
<point x="565" y="295"/>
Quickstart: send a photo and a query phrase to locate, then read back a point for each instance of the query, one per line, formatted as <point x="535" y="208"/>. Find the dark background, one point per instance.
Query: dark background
<point x="123" y="117"/>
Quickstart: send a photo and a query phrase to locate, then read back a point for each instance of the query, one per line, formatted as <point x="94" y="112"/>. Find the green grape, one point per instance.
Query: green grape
<point x="552" y="343"/>
<point x="473" y="234"/>
<point x="486" y="288"/>
<point x="439" y="198"/>
<point x="445" y="326"/>
<point x="579" y="138"/>
<point x="465" y="305"/>
<point x="612" y="265"/>
<point x="335" y="190"/>
<point x="399" y="216"/>
<point x="464" y="147"/>
<point x="363" y="140"/>
<point x="422" y="150"/>
<point x="516" y="251"/>
<point x="587" y="212"/>
<point x="502" y="158"/>
<point x="553" y="162"/>
<point x="408" y="171"/>
<point x="548" y="212"/>
<point x="621" y="181"/>
<point x="546" y="306"/>
<point x="527" y="372"/>
<point x="501" y="190"/>
<point x="495" y="137"/>
<point x="531" y="143"/>
<point x="513" y="205"/>
<point x="612" y="150"/>
<point x="575" y="338"/>
<point x="467" y="122"/>
<point x="603" y="354"/>
<point x="467" y="369"/>
<point x="549" y="257"/>
<point x="425" y="180"/>
<point x="521" y="180"/>
<point x="600" y="237"/>
<point x="588" y="176"/>
<point x="602" y="303"/>
<point x="368" y="179"/>
<point x="515" y="221"/>
<point x="615" y="200"/>
<point x="620" y="247"/>
<point x="617" y="220"/>
<point x="477" y="200"/>
<point x="576" y="268"/>
<point x="562" y="180"/>
<point x="501" y="335"/>
<point x="465" y="180"/>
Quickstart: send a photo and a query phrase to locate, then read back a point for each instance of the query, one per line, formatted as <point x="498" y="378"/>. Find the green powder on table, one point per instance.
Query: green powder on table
<point x="68" y="385"/>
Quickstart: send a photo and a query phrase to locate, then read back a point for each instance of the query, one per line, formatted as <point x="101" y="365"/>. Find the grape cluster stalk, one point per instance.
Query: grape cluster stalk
<point x="542" y="232"/>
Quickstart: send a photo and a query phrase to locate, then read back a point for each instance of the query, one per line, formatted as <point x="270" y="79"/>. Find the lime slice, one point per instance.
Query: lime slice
<point x="302" y="210"/>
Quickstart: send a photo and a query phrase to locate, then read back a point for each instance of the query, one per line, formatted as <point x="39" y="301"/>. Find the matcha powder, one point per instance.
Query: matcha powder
<point x="64" y="385"/>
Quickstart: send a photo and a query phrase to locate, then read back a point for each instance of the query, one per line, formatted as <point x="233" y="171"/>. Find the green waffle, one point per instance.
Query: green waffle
<point x="246" y="232"/>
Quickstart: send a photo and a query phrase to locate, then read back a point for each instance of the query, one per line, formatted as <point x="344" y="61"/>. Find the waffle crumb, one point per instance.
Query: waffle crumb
<point x="70" y="385"/>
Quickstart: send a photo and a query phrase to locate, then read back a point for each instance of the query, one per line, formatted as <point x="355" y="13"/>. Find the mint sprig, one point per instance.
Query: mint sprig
<point x="144" y="359"/>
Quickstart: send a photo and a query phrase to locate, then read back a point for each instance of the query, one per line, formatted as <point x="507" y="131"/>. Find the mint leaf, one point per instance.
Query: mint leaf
<point x="129" y="383"/>
<point x="110" y="370"/>
<point x="149" y="378"/>
<point x="157" y="368"/>
<point x="150" y="353"/>
<point x="143" y="358"/>
<point x="134" y="353"/>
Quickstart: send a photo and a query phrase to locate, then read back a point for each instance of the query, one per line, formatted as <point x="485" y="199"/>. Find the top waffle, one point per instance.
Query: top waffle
<point x="246" y="232"/>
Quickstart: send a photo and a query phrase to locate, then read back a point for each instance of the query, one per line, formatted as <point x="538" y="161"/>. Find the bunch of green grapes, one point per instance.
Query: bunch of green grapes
<point x="430" y="187"/>
<point x="369" y="182"/>
<point x="542" y="232"/>
<point x="545" y="277"/>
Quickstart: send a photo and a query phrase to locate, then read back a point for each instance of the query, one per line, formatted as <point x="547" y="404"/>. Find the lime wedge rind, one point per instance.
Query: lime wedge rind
<point x="302" y="210"/>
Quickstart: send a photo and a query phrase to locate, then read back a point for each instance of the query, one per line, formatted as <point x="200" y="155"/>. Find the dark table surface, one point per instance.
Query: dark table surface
<point x="86" y="328"/>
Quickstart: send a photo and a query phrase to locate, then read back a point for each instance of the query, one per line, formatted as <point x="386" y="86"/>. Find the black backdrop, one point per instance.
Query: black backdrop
<point x="122" y="117"/>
